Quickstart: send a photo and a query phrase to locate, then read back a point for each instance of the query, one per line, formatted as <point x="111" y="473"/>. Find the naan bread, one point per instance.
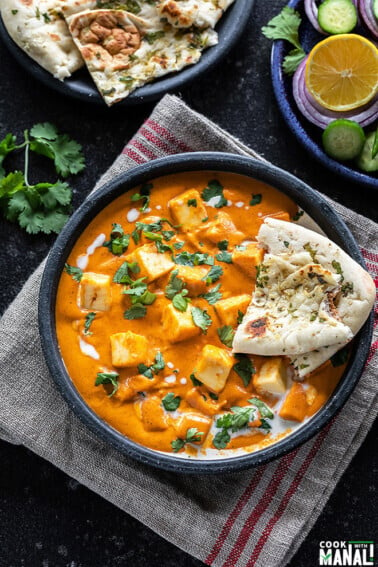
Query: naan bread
<point x="296" y="313"/>
<point x="117" y="64"/>
<point x="188" y="13"/>
<point x="38" y="27"/>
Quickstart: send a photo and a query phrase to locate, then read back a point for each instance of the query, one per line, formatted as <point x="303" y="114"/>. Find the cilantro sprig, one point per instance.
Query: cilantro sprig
<point x="285" y="26"/>
<point x="154" y="368"/>
<point x="108" y="378"/>
<point x="214" y="190"/>
<point x="40" y="207"/>
<point x="192" y="436"/>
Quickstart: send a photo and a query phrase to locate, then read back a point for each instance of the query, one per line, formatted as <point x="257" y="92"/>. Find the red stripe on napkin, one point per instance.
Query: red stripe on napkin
<point x="168" y="135"/>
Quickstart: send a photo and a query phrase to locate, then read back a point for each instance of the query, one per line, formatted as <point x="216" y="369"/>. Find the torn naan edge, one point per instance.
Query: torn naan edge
<point x="303" y="316"/>
<point x="187" y="13"/>
<point x="123" y="51"/>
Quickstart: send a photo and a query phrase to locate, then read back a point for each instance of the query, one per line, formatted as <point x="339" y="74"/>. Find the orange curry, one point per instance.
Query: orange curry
<point x="146" y="311"/>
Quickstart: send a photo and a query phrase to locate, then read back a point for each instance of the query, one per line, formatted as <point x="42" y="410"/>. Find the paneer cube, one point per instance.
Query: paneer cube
<point x="248" y="259"/>
<point x="213" y="367"/>
<point x="272" y="376"/>
<point x="223" y="228"/>
<point x="295" y="405"/>
<point x="193" y="278"/>
<point x="153" y="415"/>
<point x="188" y="210"/>
<point x="228" y="309"/>
<point x="95" y="292"/>
<point x="197" y="401"/>
<point x="178" y="326"/>
<point x="128" y="349"/>
<point x="152" y="263"/>
<point x="190" y="420"/>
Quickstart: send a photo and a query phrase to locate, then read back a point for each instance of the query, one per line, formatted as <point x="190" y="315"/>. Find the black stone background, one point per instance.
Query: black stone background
<point x="48" y="519"/>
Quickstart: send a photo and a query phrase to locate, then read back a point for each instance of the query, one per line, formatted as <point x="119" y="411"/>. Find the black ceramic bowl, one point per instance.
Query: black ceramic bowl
<point x="81" y="86"/>
<point x="303" y="195"/>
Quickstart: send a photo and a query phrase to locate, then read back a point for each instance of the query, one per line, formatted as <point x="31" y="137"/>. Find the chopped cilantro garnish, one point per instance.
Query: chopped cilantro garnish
<point x="108" y="378"/>
<point x="192" y="202"/>
<point x="256" y="199"/>
<point x="171" y="402"/>
<point x="136" y="311"/>
<point x="226" y="335"/>
<point x="244" y="368"/>
<point x="195" y="259"/>
<point x="213" y="295"/>
<point x="240" y="317"/>
<point x="119" y="241"/>
<point x="155" y="368"/>
<point x="298" y="215"/>
<point x="195" y="381"/>
<point x="201" y="318"/>
<point x="338" y="269"/>
<point x="175" y="285"/>
<point x="144" y="195"/>
<point x="214" y="189"/>
<point x="310" y="250"/>
<point x="192" y="436"/>
<point x="76" y="273"/>
<point x="213" y="275"/>
<point x="286" y="243"/>
<point x="88" y="322"/>
<point x="222" y="244"/>
<point x="224" y="256"/>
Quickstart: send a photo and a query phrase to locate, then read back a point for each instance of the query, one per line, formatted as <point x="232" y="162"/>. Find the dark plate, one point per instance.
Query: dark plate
<point x="306" y="133"/>
<point x="303" y="195"/>
<point x="81" y="86"/>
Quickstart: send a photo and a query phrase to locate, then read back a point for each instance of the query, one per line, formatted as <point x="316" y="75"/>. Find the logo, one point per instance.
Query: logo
<point x="346" y="553"/>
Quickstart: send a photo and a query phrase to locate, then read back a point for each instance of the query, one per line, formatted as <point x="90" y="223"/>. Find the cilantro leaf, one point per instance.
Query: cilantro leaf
<point x="175" y="285"/>
<point x="192" y="202"/>
<point x="12" y="183"/>
<point x="108" y="378"/>
<point x="292" y="60"/>
<point x="223" y="245"/>
<point x="155" y="368"/>
<point x="213" y="275"/>
<point x="221" y="439"/>
<point x="88" y="322"/>
<point x="54" y="195"/>
<point x="171" y="402"/>
<point x="195" y="381"/>
<point x="226" y="335"/>
<point x="240" y="317"/>
<point x="7" y="145"/>
<point x="136" y="311"/>
<point x="192" y="436"/>
<point x="213" y="295"/>
<point x="119" y="241"/>
<point x="256" y="199"/>
<point x="340" y="357"/>
<point x="144" y="195"/>
<point x="66" y="153"/>
<point x="201" y="318"/>
<point x="195" y="259"/>
<point x="180" y="301"/>
<point x="122" y="274"/>
<point x="76" y="273"/>
<point x="244" y="368"/>
<point x="285" y="26"/>
<point x="264" y="410"/>
<point x="214" y="190"/>
<point x="224" y="256"/>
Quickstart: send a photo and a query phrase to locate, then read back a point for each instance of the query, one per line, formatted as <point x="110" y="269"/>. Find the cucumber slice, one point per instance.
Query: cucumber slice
<point x="343" y="139"/>
<point x="364" y="160"/>
<point x="375" y="9"/>
<point x="337" y="16"/>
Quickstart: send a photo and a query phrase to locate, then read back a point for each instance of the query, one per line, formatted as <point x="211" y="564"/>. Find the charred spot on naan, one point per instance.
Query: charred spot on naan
<point x="257" y="328"/>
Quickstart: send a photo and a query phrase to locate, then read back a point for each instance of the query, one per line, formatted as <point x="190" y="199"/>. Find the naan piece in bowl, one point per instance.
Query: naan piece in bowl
<point x="310" y="299"/>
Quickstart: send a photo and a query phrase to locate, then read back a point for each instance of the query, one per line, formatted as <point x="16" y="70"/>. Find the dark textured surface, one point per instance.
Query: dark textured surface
<point x="48" y="520"/>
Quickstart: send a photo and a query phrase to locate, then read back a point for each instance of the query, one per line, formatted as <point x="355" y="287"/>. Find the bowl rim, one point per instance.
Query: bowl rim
<point x="306" y="198"/>
<point x="298" y="124"/>
<point x="81" y="87"/>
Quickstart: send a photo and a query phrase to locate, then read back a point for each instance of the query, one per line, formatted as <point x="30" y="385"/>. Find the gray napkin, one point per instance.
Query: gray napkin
<point x="254" y="518"/>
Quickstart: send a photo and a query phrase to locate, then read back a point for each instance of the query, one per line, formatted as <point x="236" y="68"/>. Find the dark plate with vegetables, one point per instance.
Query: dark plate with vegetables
<point x="310" y="133"/>
<point x="303" y="196"/>
<point x="80" y="85"/>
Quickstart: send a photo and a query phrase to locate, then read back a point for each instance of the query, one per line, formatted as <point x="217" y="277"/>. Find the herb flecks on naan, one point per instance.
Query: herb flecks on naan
<point x="162" y="50"/>
<point x="334" y="306"/>
<point x="187" y="13"/>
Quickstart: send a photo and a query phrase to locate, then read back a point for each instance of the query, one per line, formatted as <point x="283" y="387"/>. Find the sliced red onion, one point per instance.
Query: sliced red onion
<point x="320" y="116"/>
<point x="311" y="10"/>
<point x="366" y="10"/>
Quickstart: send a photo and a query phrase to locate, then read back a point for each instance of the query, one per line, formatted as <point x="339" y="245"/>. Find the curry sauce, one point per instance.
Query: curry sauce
<point x="147" y="307"/>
